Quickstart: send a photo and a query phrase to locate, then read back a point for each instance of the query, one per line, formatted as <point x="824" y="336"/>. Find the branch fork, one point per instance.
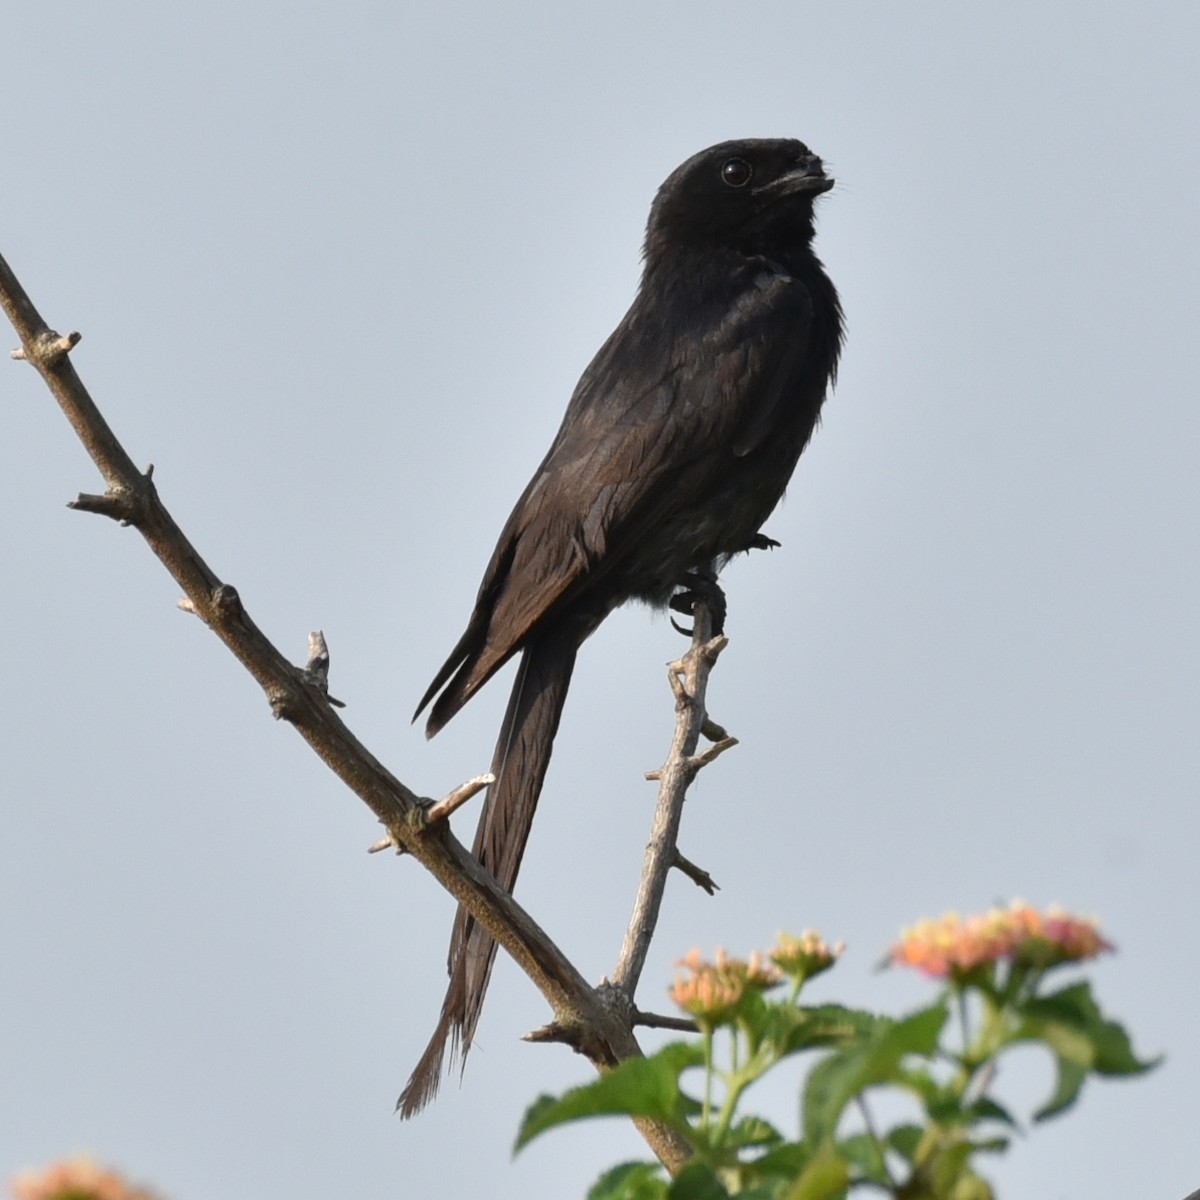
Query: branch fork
<point x="433" y="812"/>
<point x="46" y="348"/>
<point x="597" y="1022"/>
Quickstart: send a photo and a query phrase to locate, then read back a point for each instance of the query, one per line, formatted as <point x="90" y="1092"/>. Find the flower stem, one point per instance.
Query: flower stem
<point x="706" y="1110"/>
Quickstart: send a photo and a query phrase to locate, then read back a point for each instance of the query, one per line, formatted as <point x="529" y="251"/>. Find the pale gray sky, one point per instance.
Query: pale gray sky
<point x="337" y="270"/>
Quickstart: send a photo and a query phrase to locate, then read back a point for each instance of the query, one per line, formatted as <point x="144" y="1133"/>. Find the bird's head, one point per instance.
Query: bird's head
<point x="754" y="195"/>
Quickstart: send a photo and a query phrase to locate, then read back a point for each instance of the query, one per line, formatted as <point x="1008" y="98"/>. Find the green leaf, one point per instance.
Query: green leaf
<point x="973" y="1187"/>
<point x="949" y="1166"/>
<point x="835" y="1081"/>
<point x="638" y="1087"/>
<point x="1114" y="1053"/>
<point x="1066" y="1091"/>
<point x="826" y="1176"/>
<point x="944" y="1103"/>
<point x="630" y="1181"/>
<point x="922" y="1084"/>
<point x="1069" y="1022"/>
<point x="1075" y="1006"/>
<point x="788" y="1160"/>
<point x="986" y="1109"/>
<point x="995" y="1145"/>
<point x="794" y="1029"/>
<point x="752" y="1131"/>
<point x="862" y="1151"/>
<point x="697" y="1181"/>
<point x="904" y="1139"/>
<point x="769" y="1190"/>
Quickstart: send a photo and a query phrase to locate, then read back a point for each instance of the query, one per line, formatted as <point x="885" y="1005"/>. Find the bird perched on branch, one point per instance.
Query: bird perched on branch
<point x="678" y="442"/>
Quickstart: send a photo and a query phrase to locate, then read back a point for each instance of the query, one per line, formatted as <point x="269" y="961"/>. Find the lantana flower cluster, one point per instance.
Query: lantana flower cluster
<point x="713" y="991"/>
<point x="76" y="1179"/>
<point x="1020" y="934"/>
<point x="802" y="957"/>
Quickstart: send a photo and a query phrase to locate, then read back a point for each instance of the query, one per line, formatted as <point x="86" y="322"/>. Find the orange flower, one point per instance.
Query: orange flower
<point x="953" y="944"/>
<point x="76" y="1179"/>
<point x="712" y="992"/>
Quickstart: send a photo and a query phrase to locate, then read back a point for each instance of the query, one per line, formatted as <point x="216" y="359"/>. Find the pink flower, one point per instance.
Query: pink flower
<point x="954" y="945"/>
<point x="1063" y="938"/>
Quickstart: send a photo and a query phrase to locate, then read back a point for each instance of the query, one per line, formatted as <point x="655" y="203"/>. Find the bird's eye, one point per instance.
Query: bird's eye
<point x="736" y="172"/>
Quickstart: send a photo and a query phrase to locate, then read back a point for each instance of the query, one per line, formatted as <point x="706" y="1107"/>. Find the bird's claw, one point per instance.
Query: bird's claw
<point x="700" y="589"/>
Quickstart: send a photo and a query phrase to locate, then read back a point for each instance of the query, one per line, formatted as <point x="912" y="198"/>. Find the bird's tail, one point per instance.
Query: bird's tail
<point x="520" y="762"/>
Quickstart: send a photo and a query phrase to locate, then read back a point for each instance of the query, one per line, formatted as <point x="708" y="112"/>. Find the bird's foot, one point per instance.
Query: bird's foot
<point x="700" y="589"/>
<point x="760" y="541"/>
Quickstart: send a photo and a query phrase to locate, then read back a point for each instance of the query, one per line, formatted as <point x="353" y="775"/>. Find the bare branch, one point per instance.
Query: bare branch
<point x="698" y="875"/>
<point x="702" y="760"/>
<point x="658" y="1021"/>
<point x="50" y="346"/>
<point x="298" y="696"/>
<point x="457" y="798"/>
<point x="688" y="678"/>
<point x="442" y="809"/>
<point x="316" y="670"/>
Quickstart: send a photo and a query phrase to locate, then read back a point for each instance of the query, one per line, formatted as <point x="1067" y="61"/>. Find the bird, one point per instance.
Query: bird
<point x="676" y="445"/>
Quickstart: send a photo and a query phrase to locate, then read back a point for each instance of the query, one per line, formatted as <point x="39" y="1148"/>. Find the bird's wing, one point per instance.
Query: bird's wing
<point x="655" y="417"/>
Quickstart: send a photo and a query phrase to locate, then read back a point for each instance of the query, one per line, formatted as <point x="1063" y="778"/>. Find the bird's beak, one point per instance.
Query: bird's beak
<point x="807" y="176"/>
